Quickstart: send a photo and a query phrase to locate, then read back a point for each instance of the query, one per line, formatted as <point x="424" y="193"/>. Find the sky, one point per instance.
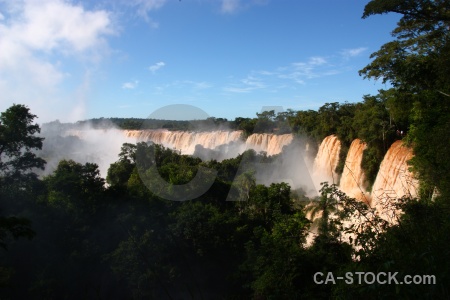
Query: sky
<point x="74" y="60"/>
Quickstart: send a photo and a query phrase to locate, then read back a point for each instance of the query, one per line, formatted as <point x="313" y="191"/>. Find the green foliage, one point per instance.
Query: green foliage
<point x="376" y="129"/>
<point x="75" y="188"/>
<point x="14" y="227"/>
<point x="417" y="245"/>
<point x="417" y="64"/>
<point x="275" y="258"/>
<point x="17" y="140"/>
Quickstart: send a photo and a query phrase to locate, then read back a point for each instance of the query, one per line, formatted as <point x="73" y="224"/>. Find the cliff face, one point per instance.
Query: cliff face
<point x="352" y="180"/>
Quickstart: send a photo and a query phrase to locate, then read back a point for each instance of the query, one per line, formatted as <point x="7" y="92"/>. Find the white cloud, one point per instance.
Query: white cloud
<point x="347" y="53"/>
<point x="314" y="67"/>
<point x="237" y="89"/>
<point x="317" y="60"/>
<point x="58" y="25"/>
<point x="156" y="67"/>
<point x="246" y="85"/>
<point x="284" y="77"/>
<point x="37" y="41"/>
<point x="198" y="85"/>
<point x="253" y="82"/>
<point x="144" y="7"/>
<point x="233" y="6"/>
<point x="130" y="85"/>
<point x="230" y="6"/>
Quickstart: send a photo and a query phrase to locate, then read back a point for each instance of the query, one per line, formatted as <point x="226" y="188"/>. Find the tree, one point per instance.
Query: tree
<point x="417" y="64"/>
<point x="75" y="188"/>
<point x="372" y="122"/>
<point x="17" y="140"/>
<point x="412" y="60"/>
<point x="120" y="171"/>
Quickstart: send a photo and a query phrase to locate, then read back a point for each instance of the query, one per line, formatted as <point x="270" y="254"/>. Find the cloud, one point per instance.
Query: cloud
<point x="130" y="85"/>
<point x="347" y="53"/>
<point x="246" y="85"/>
<point x="295" y="74"/>
<point x="156" y="67"/>
<point x="38" y="40"/>
<point x="283" y="77"/>
<point x="233" y="6"/>
<point x="317" y="60"/>
<point x="144" y="7"/>
<point x="230" y="6"/>
<point x="58" y="26"/>
<point x="198" y="85"/>
<point x="300" y="71"/>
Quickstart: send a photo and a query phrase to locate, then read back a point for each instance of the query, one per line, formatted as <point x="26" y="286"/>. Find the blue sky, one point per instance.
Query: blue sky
<point x="73" y="60"/>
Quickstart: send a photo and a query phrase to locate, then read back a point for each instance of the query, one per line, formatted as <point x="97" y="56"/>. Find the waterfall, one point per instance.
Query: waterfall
<point x="352" y="180"/>
<point x="394" y="179"/>
<point x="270" y="143"/>
<point x="186" y="142"/>
<point x="326" y="160"/>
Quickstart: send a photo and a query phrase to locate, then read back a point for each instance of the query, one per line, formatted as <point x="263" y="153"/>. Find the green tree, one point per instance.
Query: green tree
<point x="417" y="64"/>
<point x="276" y="259"/>
<point x="17" y="140"/>
<point x="17" y="181"/>
<point x="120" y="171"/>
<point x="75" y="188"/>
<point x="375" y="129"/>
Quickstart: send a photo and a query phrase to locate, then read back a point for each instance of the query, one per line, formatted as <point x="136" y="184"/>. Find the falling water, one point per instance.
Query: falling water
<point x="326" y="160"/>
<point x="352" y="180"/>
<point x="394" y="179"/>
<point x="186" y="142"/>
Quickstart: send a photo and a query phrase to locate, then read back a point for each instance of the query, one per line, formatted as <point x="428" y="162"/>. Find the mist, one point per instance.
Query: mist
<point x="291" y="159"/>
<point x="83" y="144"/>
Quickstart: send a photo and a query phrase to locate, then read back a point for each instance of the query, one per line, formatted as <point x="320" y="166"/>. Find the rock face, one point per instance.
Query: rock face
<point x="352" y="180"/>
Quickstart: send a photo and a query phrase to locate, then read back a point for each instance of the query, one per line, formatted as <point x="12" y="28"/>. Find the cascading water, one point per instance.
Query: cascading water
<point x="270" y="143"/>
<point x="394" y="180"/>
<point x="186" y="142"/>
<point x="352" y="179"/>
<point x="326" y="161"/>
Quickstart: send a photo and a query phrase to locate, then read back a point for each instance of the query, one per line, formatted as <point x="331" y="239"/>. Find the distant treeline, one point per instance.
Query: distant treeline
<point x="265" y="122"/>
